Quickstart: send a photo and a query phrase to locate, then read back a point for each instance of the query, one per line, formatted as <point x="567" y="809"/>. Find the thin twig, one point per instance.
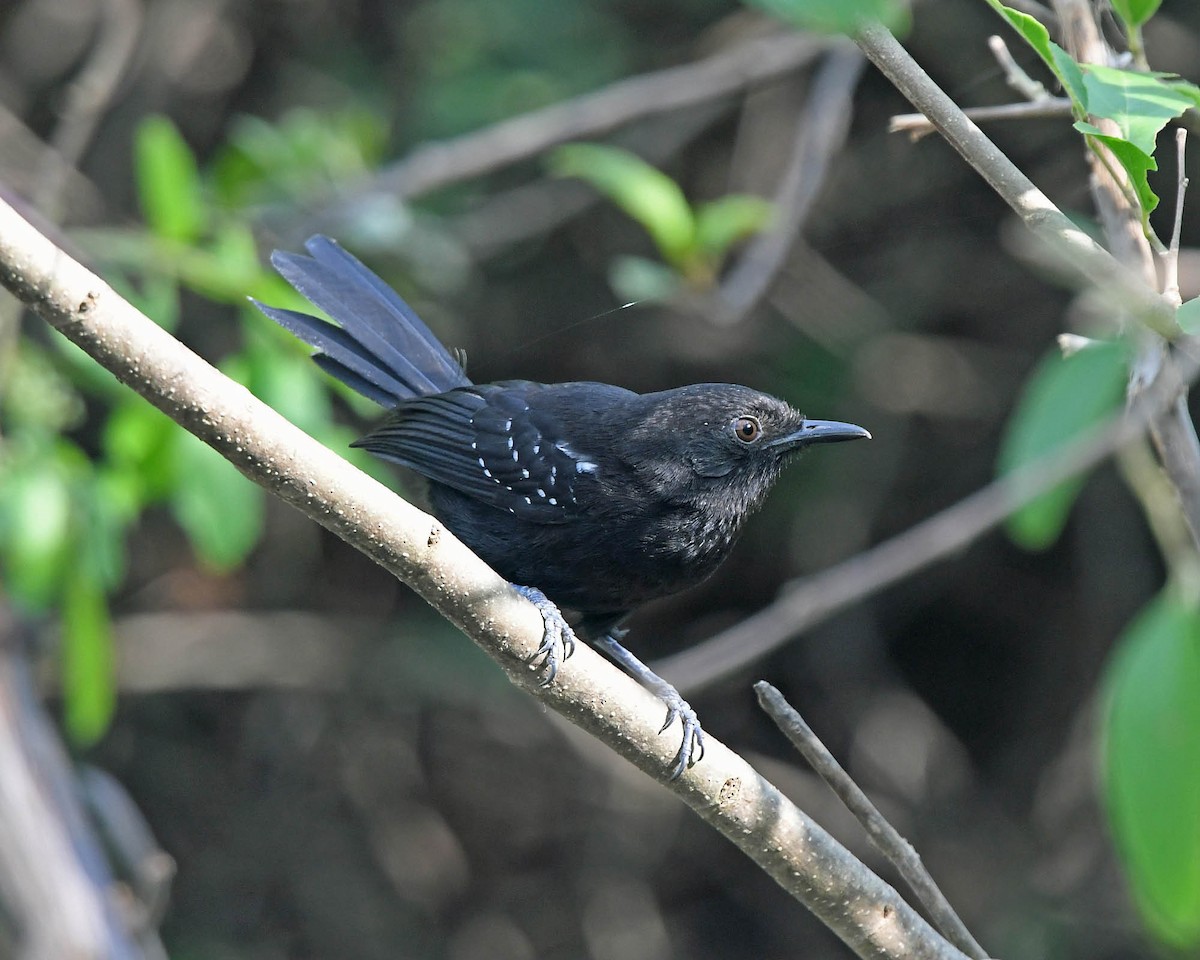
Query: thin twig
<point x="917" y="125"/>
<point x="439" y="164"/>
<point x="1073" y="248"/>
<point x="885" y="837"/>
<point x="820" y="132"/>
<point x="1014" y="75"/>
<point x="88" y="96"/>
<point x="870" y="916"/>
<point x="1171" y="260"/>
<point x="534" y="209"/>
<point x="805" y="602"/>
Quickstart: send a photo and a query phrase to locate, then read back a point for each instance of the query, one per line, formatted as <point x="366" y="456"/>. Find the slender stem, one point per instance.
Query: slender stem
<point x="1171" y="259"/>
<point x="1016" y="78"/>
<point x="887" y="839"/>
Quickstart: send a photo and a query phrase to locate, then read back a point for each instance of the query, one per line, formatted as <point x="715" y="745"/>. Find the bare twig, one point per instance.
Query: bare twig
<point x="820" y="131"/>
<point x="1171" y="260"/>
<point x="917" y="125"/>
<point x="723" y="789"/>
<point x="808" y="601"/>
<point x="88" y="97"/>
<point x="1014" y="76"/>
<point x="1071" y="247"/>
<point x="885" y="837"/>
<point x="435" y="165"/>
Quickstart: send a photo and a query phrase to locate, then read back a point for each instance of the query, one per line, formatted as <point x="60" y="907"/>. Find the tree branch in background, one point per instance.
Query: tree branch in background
<point x="1071" y="247"/>
<point x="821" y="130"/>
<point x="885" y="837"/>
<point x="440" y="164"/>
<point x="917" y="125"/>
<point x="723" y="789"/>
<point x="88" y="96"/>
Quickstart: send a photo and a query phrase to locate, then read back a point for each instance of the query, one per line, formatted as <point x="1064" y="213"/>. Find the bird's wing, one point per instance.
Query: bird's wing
<point x="486" y="442"/>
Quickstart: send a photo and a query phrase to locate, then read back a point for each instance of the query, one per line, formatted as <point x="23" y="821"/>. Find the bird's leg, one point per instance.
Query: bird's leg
<point x="558" y="639"/>
<point x="691" y="750"/>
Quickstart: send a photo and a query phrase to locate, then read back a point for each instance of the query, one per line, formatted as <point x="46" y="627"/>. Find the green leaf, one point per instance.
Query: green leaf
<point x="1188" y="316"/>
<point x="89" y="690"/>
<point x="1151" y="777"/>
<point x="1134" y="13"/>
<point x="286" y="382"/>
<point x="636" y="279"/>
<point x="138" y="441"/>
<point x="729" y="220"/>
<point x="1134" y="160"/>
<point x="35" y="529"/>
<point x="168" y="181"/>
<point x="1140" y="104"/>
<point x="221" y="511"/>
<point x="1060" y="400"/>
<point x="837" y="16"/>
<point x="1055" y="57"/>
<point x="647" y="194"/>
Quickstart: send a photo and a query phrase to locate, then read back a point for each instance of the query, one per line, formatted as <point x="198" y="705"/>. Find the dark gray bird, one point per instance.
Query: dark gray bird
<point x="583" y="495"/>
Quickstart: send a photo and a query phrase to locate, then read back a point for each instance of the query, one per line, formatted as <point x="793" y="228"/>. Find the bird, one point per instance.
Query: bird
<point x="586" y="497"/>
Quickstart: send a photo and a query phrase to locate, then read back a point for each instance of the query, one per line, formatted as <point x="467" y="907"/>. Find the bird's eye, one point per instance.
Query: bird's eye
<point x="746" y="429"/>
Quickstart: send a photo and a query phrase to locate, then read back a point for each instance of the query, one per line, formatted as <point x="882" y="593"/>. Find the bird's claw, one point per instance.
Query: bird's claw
<point x="691" y="749"/>
<point x="558" y="639"/>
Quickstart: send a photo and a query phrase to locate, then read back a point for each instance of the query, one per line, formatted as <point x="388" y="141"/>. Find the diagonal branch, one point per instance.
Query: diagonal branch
<point x="723" y="789"/>
<point x="434" y="165"/>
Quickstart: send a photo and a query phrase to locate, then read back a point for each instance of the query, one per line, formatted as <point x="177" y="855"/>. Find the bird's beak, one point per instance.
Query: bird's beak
<point x="821" y="431"/>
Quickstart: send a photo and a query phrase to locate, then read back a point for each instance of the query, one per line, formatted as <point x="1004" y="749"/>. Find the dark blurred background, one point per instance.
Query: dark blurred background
<point x="338" y="773"/>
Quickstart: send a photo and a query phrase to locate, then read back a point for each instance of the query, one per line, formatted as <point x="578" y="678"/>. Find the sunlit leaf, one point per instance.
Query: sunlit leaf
<point x="1151" y="777"/>
<point x="35" y="529"/>
<point x="1136" y="162"/>
<point x="645" y="193"/>
<point x="1061" y="399"/>
<point x="168" y="181"/>
<point x="1140" y="104"/>
<point x="1135" y="12"/>
<point x="729" y="220"/>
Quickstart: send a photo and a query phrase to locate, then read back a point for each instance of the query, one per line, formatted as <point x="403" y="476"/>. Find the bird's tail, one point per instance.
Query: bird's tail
<point x="382" y="349"/>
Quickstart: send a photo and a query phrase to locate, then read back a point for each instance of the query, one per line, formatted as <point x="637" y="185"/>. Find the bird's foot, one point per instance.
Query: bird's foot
<point x="558" y="640"/>
<point x="691" y="750"/>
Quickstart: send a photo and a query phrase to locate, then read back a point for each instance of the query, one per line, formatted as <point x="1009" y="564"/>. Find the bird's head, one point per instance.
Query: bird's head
<point x="725" y="441"/>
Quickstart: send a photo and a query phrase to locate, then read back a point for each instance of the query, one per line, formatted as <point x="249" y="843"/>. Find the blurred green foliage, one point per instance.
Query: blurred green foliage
<point x="1151" y="778"/>
<point x="66" y="512"/>
<point x="1062" y="398"/>
<point x="693" y="241"/>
